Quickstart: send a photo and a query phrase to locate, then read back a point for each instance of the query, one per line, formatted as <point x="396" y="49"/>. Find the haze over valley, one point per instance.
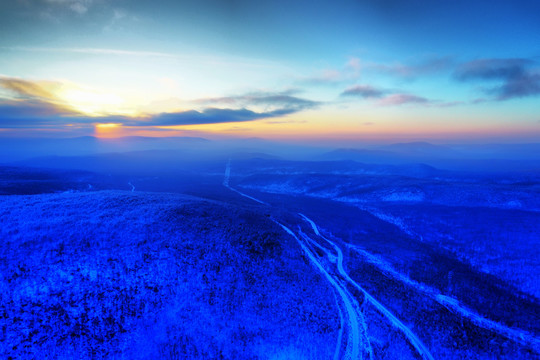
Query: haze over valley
<point x="277" y="180"/>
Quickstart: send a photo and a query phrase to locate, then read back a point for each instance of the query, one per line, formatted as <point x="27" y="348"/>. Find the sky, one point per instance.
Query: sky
<point x="290" y="70"/>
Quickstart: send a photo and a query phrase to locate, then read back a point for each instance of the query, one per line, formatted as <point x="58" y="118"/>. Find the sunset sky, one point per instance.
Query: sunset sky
<point x="294" y="70"/>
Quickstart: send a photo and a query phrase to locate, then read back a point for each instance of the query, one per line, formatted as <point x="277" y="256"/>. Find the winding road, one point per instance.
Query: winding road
<point x="412" y="338"/>
<point x="452" y="304"/>
<point x="226" y="184"/>
<point x="357" y="345"/>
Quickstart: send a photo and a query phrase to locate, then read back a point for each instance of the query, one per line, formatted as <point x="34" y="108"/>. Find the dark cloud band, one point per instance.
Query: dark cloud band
<point x="516" y="77"/>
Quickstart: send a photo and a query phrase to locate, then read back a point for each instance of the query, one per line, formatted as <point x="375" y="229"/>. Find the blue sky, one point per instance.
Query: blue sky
<point x="278" y="69"/>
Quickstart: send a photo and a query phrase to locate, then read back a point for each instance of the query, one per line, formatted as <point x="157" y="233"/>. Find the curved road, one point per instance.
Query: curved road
<point x="358" y="345"/>
<point x="519" y="336"/>
<point x="413" y="339"/>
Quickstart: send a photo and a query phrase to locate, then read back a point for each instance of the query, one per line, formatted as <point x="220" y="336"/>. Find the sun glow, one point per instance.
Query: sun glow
<point x="108" y="130"/>
<point x="94" y="103"/>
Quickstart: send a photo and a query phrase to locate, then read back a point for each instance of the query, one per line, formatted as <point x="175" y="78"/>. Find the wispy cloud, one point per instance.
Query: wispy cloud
<point x="267" y="100"/>
<point x="324" y="77"/>
<point x="79" y="7"/>
<point x="118" y="17"/>
<point x="94" y="51"/>
<point x="37" y="114"/>
<point x="402" y="99"/>
<point x="14" y="113"/>
<point x="452" y="103"/>
<point x="34" y="104"/>
<point x="62" y="94"/>
<point x="493" y="69"/>
<point x="355" y="67"/>
<point x="206" y="116"/>
<point x="416" y="69"/>
<point x="239" y="108"/>
<point x="516" y="78"/>
<point x="363" y="91"/>
<point x="26" y="89"/>
<point x="386" y="97"/>
<point x="350" y="71"/>
<point x="221" y="60"/>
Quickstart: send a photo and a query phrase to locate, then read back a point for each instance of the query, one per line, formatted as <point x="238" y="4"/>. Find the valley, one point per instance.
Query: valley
<point x="320" y="260"/>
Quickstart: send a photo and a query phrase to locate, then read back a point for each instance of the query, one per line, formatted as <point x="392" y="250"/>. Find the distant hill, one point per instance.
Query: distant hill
<point x="140" y="275"/>
<point x="420" y="148"/>
<point x="15" y="149"/>
<point x="477" y="158"/>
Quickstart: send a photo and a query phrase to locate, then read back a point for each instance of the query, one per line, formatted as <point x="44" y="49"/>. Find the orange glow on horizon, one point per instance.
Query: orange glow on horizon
<point x="315" y="126"/>
<point x="108" y="130"/>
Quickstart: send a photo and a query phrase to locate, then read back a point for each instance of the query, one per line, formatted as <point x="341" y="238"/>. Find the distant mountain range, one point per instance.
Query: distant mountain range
<point x="467" y="157"/>
<point x="14" y="149"/>
<point x="485" y="157"/>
